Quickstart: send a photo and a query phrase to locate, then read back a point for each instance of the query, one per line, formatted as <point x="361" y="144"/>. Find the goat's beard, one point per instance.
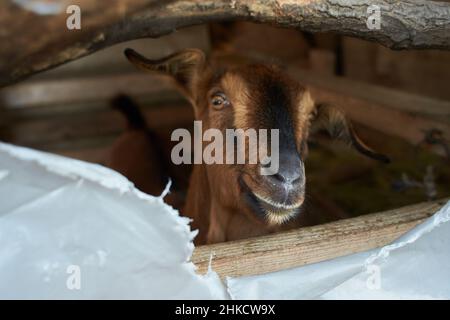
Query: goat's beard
<point x="277" y="218"/>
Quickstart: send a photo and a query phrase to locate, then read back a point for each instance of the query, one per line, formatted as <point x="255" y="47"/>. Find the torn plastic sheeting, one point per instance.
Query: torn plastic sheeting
<point x="416" y="266"/>
<point x="57" y="212"/>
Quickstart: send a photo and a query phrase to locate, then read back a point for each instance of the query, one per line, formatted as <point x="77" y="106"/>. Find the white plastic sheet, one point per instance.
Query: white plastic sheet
<point x="62" y="218"/>
<point x="416" y="266"/>
<point x="71" y="230"/>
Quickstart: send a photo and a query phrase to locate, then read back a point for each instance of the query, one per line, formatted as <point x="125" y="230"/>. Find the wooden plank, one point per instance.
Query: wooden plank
<point x="42" y="132"/>
<point x="311" y="244"/>
<point x="84" y="90"/>
<point x="409" y="127"/>
<point x="393" y="112"/>
<point x="377" y="95"/>
<point x="423" y="72"/>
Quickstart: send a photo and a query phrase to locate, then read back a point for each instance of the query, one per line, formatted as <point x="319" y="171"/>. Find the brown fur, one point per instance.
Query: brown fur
<point x="135" y="156"/>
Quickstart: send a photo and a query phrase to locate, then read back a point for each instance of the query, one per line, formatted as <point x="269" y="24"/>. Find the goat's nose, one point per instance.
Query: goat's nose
<point x="290" y="170"/>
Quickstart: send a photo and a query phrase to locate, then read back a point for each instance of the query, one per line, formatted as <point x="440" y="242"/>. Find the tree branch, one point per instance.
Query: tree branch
<point x="33" y="42"/>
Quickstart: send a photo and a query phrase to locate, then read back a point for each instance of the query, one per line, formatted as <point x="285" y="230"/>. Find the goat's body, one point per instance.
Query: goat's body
<point x="140" y="155"/>
<point x="135" y="155"/>
<point x="137" y="152"/>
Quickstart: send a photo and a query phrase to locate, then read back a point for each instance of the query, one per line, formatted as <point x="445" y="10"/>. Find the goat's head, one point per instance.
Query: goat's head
<point x="259" y="97"/>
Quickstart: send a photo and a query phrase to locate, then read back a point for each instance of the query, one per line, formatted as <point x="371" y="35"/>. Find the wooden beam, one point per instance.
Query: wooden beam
<point x="311" y="244"/>
<point x="400" y="114"/>
<point x="396" y="99"/>
<point x="37" y="37"/>
<point x="44" y="132"/>
<point x="85" y="90"/>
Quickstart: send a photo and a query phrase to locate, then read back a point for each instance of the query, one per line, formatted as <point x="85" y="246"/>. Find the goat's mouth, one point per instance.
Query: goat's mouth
<point x="273" y="212"/>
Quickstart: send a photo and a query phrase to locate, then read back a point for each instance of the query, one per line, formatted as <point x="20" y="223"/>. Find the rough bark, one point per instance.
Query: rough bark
<point x="32" y="42"/>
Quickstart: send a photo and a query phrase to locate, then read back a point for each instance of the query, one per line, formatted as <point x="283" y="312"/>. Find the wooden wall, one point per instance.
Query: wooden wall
<point x="422" y="72"/>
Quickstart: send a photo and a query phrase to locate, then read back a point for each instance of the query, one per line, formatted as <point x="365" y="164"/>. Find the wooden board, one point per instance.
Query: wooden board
<point x="83" y="90"/>
<point x="44" y="132"/>
<point x="393" y="112"/>
<point x="379" y="95"/>
<point x="424" y="72"/>
<point x="311" y="244"/>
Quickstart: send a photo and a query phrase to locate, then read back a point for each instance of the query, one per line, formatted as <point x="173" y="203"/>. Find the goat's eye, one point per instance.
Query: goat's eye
<point x="219" y="100"/>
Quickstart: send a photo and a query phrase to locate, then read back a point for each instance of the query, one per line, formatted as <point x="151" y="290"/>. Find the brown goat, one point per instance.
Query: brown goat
<point x="141" y="155"/>
<point x="234" y="201"/>
<point x="137" y="153"/>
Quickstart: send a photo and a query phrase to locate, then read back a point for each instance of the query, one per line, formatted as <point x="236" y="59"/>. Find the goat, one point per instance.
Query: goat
<point x="137" y="152"/>
<point x="229" y="201"/>
<point x="140" y="155"/>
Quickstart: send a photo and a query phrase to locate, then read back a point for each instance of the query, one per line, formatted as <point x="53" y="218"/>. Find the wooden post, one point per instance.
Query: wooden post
<point x="311" y="244"/>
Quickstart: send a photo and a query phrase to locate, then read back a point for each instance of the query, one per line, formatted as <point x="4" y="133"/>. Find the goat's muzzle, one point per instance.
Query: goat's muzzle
<point x="277" y="198"/>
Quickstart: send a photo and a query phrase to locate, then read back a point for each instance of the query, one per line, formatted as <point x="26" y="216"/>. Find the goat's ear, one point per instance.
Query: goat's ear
<point x="182" y="66"/>
<point x="338" y="126"/>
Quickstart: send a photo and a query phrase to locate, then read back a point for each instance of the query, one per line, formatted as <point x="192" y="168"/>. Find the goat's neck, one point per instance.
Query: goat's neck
<point x="209" y="216"/>
<point x="198" y="202"/>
